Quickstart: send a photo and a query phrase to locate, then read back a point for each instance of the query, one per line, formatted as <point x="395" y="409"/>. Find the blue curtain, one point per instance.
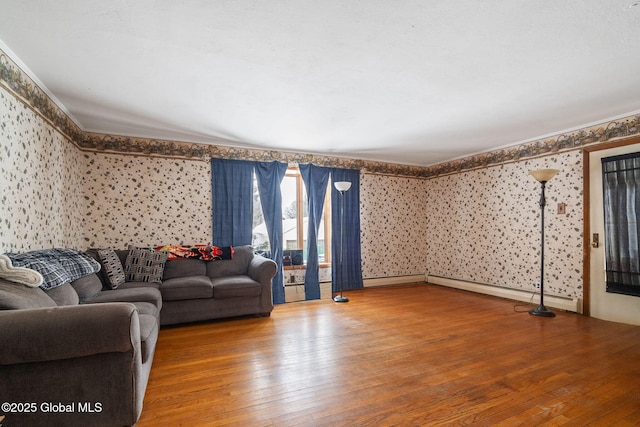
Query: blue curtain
<point x="232" y="189"/>
<point x="351" y="277"/>
<point x="315" y="180"/>
<point x="269" y="176"/>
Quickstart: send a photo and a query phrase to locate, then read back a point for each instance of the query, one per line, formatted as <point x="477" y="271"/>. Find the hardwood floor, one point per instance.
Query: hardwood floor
<point x="409" y="356"/>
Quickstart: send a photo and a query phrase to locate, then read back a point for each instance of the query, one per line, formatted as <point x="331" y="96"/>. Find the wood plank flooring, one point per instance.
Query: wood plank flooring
<point x="407" y="356"/>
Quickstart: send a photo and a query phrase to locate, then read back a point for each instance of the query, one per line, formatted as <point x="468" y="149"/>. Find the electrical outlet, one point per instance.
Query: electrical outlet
<point x="537" y="285"/>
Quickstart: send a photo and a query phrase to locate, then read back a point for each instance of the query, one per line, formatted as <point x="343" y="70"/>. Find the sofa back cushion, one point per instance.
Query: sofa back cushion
<point x="185" y="288"/>
<point x="87" y="287"/>
<point x="242" y="256"/>
<point x="14" y="296"/>
<point x="63" y="295"/>
<point x="184" y="268"/>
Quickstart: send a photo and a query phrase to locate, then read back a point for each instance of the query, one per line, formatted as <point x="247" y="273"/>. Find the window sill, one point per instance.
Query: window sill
<point x="304" y="267"/>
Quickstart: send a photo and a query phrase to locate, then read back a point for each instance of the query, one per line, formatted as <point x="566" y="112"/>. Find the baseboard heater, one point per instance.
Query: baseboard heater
<point x="394" y="280"/>
<point x="552" y="301"/>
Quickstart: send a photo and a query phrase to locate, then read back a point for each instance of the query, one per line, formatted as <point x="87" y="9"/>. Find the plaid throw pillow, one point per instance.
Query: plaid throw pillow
<point x="144" y="265"/>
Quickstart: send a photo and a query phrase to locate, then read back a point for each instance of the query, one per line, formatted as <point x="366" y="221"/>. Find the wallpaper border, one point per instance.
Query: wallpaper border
<point x="14" y="79"/>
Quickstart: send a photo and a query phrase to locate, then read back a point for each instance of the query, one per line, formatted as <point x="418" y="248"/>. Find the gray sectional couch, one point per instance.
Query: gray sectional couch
<point x="81" y="354"/>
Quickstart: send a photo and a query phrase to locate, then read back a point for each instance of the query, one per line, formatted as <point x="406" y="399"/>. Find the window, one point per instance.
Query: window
<point x="621" y="183"/>
<point x="294" y="219"/>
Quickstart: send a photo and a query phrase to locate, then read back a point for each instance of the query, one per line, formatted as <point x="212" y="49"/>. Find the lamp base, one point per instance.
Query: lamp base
<point x="542" y="311"/>
<point x="340" y="298"/>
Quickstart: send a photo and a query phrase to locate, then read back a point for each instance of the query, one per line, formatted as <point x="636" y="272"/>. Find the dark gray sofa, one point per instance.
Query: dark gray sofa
<point x="92" y="348"/>
<point x="194" y="290"/>
<point x="58" y="352"/>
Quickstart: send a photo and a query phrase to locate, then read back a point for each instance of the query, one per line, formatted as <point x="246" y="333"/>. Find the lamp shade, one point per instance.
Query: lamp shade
<point x="544" y="175"/>
<point x="342" y="185"/>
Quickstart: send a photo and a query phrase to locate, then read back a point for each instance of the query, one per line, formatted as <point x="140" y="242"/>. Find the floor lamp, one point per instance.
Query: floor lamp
<point x="542" y="176"/>
<point x="341" y="186"/>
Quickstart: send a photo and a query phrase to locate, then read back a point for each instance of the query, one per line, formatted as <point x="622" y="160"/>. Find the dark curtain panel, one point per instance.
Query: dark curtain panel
<point x="269" y="176"/>
<point x="351" y="277"/>
<point x="232" y="186"/>
<point x="621" y="183"/>
<point x="315" y="180"/>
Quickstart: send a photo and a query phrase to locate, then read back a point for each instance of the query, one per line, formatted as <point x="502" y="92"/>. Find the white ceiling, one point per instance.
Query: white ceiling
<point x="410" y="81"/>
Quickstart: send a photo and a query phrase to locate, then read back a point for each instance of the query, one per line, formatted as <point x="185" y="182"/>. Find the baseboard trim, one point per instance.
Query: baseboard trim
<point x="561" y="303"/>
<point x="394" y="280"/>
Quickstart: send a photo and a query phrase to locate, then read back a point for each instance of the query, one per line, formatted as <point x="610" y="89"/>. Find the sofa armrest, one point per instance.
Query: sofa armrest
<point x="262" y="269"/>
<point x="45" y="334"/>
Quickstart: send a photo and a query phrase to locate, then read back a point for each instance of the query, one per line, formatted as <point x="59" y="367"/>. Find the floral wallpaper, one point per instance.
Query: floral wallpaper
<point x="40" y="182"/>
<point x="484" y="226"/>
<point x="150" y="200"/>
<point x="393" y="226"/>
<point x="145" y="201"/>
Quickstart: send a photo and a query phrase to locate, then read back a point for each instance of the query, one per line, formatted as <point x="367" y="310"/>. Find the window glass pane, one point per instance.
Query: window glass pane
<point x="260" y="238"/>
<point x="294" y="219"/>
<point x="321" y="255"/>
<point x="289" y="188"/>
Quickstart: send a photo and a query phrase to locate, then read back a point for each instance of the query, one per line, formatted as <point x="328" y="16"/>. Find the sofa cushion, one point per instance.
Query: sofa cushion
<point x="131" y="285"/>
<point x="235" y="286"/>
<point x="145" y="265"/>
<point x="14" y="296"/>
<point x="87" y="287"/>
<point x="64" y="295"/>
<point x="147" y="308"/>
<point x="184" y="267"/>
<point x="122" y="254"/>
<point x="242" y="256"/>
<point x="93" y="253"/>
<point x="112" y="267"/>
<point x="132" y="295"/>
<point x="190" y="287"/>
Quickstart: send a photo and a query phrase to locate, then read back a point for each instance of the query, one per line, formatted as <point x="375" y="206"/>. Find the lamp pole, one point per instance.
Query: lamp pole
<point x="543" y="176"/>
<point x="341" y="186"/>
